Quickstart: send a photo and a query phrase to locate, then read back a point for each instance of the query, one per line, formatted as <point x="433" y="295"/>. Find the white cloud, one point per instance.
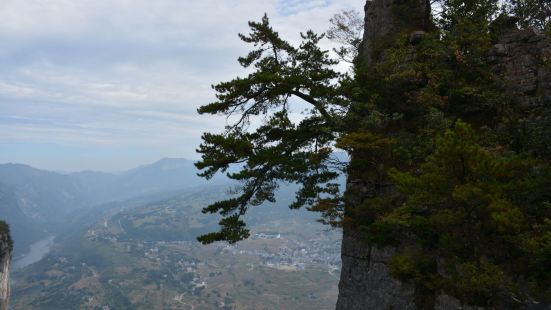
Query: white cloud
<point x="16" y="90"/>
<point x="129" y="72"/>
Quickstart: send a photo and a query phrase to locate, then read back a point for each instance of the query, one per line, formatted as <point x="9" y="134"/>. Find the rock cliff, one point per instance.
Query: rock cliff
<point x="5" y="260"/>
<point x="518" y="56"/>
<point x="365" y="280"/>
<point x="385" y="18"/>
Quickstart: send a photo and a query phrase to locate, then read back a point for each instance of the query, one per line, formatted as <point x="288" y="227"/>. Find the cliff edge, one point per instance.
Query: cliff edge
<point x="6" y="246"/>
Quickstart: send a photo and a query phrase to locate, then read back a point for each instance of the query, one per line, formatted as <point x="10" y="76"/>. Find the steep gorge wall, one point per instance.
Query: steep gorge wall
<point x="519" y="56"/>
<point x="5" y="260"/>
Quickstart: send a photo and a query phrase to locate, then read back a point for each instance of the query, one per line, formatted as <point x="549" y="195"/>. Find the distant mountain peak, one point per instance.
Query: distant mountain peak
<point x="169" y="163"/>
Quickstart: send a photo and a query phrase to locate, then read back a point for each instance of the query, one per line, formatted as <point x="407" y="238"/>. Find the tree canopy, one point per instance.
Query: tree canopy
<point x="458" y="175"/>
<point x="279" y="149"/>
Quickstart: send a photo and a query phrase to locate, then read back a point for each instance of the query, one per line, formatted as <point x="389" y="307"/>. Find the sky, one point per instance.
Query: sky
<point x="112" y="84"/>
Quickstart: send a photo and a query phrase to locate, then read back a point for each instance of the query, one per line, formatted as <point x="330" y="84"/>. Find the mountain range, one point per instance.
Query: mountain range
<point x="37" y="203"/>
<point x="142" y="254"/>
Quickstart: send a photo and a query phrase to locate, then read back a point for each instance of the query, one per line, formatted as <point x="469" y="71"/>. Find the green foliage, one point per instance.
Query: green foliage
<point x="461" y="204"/>
<point x="448" y="171"/>
<point x="470" y="209"/>
<point x="532" y="13"/>
<point x="279" y="149"/>
<point x="5" y="232"/>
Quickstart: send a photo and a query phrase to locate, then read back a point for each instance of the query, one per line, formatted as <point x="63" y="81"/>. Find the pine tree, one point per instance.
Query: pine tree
<point x="279" y="150"/>
<point x="428" y="128"/>
<point x="473" y="213"/>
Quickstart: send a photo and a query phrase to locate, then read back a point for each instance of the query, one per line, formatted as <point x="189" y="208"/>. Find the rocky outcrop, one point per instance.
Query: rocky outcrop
<point x="521" y="57"/>
<point x="384" y="18"/>
<point x="365" y="279"/>
<point x="5" y="260"/>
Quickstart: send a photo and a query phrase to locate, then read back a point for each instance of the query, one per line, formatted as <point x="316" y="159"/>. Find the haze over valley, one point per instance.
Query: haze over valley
<point x="127" y="240"/>
<point x="275" y="154"/>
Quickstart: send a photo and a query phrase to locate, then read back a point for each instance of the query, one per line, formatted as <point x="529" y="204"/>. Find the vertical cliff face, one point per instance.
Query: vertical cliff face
<point x="384" y="18"/>
<point x="5" y="260"/>
<point x="365" y="279"/>
<point x="519" y="57"/>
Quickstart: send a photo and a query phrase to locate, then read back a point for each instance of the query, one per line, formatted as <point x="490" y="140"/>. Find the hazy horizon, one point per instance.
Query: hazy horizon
<point x="94" y="170"/>
<point x="108" y="86"/>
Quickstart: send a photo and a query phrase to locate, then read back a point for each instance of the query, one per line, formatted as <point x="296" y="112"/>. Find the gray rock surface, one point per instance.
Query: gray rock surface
<point x="365" y="281"/>
<point x="388" y="17"/>
<point x="522" y="58"/>
<point x="5" y="260"/>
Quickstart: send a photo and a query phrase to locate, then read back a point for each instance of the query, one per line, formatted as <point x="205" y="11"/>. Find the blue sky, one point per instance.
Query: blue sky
<point x="112" y="84"/>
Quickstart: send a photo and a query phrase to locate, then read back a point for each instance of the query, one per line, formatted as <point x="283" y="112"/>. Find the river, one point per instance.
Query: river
<point x="38" y="251"/>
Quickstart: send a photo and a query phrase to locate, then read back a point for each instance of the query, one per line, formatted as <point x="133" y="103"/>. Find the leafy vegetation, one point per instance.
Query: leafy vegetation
<point x="278" y="150"/>
<point x="454" y="174"/>
<point x="5" y="231"/>
<point x="473" y="211"/>
<point x="532" y="13"/>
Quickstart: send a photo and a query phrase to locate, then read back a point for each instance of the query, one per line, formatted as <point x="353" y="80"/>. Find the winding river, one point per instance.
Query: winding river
<point x="37" y="252"/>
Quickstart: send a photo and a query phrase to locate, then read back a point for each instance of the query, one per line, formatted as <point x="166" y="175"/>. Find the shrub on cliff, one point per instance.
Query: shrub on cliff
<point x="5" y="235"/>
